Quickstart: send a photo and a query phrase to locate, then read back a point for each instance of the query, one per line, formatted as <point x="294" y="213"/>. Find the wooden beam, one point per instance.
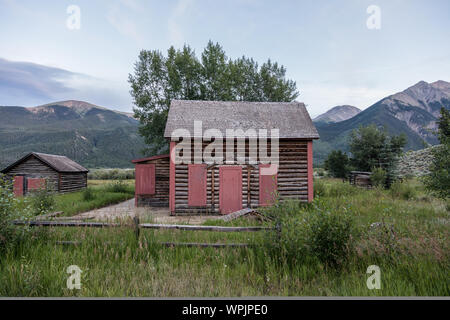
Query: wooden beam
<point x="202" y="228"/>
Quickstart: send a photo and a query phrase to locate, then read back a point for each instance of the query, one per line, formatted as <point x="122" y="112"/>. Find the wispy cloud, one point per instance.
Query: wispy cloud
<point x="118" y="16"/>
<point x="176" y="35"/>
<point x="30" y="84"/>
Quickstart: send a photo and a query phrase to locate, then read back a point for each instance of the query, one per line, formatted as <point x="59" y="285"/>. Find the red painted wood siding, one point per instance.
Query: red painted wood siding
<point x="230" y="195"/>
<point x="172" y="177"/>
<point x="18" y="186"/>
<point x="35" y="184"/>
<point x="267" y="186"/>
<point x="145" y="179"/>
<point x="310" y="172"/>
<point x="197" y="184"/>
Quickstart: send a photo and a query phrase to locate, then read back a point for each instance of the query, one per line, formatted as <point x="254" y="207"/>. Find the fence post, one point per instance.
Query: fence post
<point x="278" y="227"/>
<point x="136" y="226"/>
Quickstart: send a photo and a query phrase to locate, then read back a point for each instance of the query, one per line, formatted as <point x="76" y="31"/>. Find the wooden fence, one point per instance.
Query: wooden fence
<point x="138" y="226"/>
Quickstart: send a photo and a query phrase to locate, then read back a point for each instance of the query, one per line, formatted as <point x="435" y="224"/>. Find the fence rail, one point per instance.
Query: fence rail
<point x="138" y="226"/>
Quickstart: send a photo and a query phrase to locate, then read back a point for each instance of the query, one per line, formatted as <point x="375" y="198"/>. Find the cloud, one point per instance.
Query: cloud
<point x="117" y="16"/>
<point x="31" y="84"/>
<point x="175" y="30"/>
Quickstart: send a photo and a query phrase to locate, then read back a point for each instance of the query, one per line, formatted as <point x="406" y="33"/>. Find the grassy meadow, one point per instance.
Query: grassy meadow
<point x="320" y="249"/>
<point x="100" y="193"/>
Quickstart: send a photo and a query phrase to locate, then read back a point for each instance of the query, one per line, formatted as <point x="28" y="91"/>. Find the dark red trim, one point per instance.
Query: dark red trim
<point x="172" y="178"/>
<point x="310" y="172"/>
<point x="150" y="158"/>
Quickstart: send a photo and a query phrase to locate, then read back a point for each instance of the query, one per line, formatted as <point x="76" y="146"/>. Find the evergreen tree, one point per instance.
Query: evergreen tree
<point x="337" y="164"/>
<point x="438" y="181"/>
<point x="374" y="148"/>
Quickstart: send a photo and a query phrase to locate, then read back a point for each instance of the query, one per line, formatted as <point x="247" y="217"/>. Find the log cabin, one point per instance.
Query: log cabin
<point x="39" y="170"/>
<point x="219" y="161"/>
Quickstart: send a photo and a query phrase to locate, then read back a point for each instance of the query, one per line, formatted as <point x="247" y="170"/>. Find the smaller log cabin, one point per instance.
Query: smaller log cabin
<point x="40" y="170"/>
<point x="202" y="186"/>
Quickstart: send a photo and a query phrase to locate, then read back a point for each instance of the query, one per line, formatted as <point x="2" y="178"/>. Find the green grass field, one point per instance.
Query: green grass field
<point x="411" y="248"/>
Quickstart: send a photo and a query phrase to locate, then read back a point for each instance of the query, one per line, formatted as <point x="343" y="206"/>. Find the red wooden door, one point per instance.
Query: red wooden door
<point x="230" y="194"/>
<point x="18" y="186"/>
<point x="267" y="184"/>
<point x="145" y="179"/>
<point x="197" y="184"/>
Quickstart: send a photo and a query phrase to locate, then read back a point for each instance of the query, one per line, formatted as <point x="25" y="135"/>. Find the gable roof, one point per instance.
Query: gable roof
<point x="60" y="164"/>
<point x="291" y="118"/>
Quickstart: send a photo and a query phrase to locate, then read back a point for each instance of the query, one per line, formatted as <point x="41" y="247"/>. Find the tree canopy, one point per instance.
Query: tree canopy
<point x="159" y="78"/>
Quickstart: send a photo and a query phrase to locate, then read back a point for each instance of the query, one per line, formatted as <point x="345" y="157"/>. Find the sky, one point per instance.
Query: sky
<point x="338" y="51"/>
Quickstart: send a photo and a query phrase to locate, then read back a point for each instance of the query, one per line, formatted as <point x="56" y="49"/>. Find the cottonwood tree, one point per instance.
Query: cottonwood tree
<point x="159" y="78"/>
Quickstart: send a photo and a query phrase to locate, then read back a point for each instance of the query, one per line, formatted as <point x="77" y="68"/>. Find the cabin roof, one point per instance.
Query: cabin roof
<point x="291" y="118"/>
<point x="150" y="158"/>
<point x="59" y="163"/>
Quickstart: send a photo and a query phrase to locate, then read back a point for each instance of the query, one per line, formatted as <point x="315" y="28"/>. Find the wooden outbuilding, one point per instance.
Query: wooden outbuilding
<point x="152" y="181"/>
<point x="203" y="186"/>
<point x="40" y="170"/>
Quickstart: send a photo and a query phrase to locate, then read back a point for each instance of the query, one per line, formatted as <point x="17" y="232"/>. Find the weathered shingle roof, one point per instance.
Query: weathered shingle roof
<point x="291" y="118"/>
<point x="58" y="163"/>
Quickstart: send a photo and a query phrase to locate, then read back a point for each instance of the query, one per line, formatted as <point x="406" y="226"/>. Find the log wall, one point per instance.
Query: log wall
<point x="34" y="168"/>
<point x="292" y="181"/>
<point x="72" y="181"/>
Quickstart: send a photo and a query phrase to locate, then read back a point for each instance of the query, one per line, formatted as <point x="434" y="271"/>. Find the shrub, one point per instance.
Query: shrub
<point x="42" y="201"/>
<point x="88" y="194"/>
<point x="402" y="190"/>
<point x="10" y="209"/>
<point x="329" y="236"/>
<point x="319" y="188"/>
<point x="118" y="187"/>
<point x="378" y="177"/>
<point x="111" y="174"/>
<point x="305" y="232"/>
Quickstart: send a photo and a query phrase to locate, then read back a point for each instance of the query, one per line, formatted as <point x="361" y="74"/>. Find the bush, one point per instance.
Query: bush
<point x="305" y="232"/>
<point x="42" y="201"/>
<point x="402" y="190"/>
<point x="111" y="174"/>
<point x="319" y="188"/>
<point x="329" y="236"/>
<point x="88" y="194"/>
<point x="378" y="177"/>
<point x="118" y="187"/>
<point x="11" y="209"/>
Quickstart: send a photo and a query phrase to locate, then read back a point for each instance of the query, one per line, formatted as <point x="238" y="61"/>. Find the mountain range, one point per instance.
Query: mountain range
<point x="96" y="136"/>
<point x="91" y="135"/>
<point x="413" y="112"/>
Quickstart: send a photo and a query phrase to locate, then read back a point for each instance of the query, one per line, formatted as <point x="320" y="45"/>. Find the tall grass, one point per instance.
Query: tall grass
<point x="407" y="239"/>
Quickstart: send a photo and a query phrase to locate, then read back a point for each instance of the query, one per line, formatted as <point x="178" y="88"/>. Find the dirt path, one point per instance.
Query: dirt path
<point x="126" y="209"/>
